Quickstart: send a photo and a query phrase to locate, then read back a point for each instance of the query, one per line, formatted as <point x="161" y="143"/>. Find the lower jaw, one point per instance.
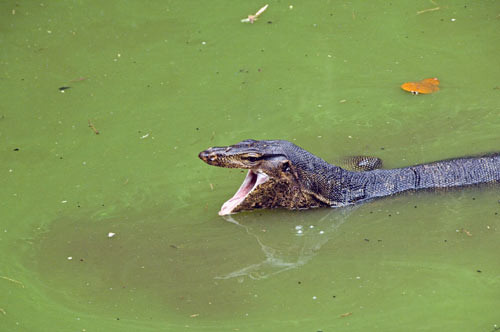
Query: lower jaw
<point x="232" y="205"/>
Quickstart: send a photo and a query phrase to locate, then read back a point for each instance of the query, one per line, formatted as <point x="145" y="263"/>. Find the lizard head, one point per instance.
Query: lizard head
<point x="272" y="178"/>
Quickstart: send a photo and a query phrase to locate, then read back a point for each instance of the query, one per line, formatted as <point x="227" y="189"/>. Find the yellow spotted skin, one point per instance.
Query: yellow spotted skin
<point x="361" y="163"/>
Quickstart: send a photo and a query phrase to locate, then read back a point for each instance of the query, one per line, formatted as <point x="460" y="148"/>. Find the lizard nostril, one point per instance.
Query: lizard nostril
<point x="207" y="156"/>
<point x="204" y="155"/>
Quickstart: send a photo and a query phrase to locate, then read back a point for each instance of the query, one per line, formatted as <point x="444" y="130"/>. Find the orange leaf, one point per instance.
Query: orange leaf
<point x="429" y="85"/>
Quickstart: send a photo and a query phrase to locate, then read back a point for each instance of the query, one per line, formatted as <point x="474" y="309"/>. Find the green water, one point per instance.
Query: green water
<point x="162" y="81"/>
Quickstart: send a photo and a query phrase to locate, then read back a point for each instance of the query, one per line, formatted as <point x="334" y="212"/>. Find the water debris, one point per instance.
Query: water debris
<point x="194" y="315"/>
<point x="79" y="79"/>
<point x="91" y="125"/>
<point x="253" y="18"/>
<point x="13" y="280"/>
<point x="428" y="85"/>
<point x="346" y="314"/>
<point x="428" y="10"/>
<point x="463" y="230"/>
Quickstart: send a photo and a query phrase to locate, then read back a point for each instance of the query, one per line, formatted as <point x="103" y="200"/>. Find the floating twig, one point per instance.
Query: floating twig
<point x="428" y="10"/>
<point x="14" y="281"/>
<point x="346" y="314"/>
<point x="91" y="125"/>
<point x="253" y="18"/>
<point x="463" y="230"/>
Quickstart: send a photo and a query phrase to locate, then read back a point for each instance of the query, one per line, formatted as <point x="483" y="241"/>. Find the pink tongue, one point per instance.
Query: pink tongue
<point x="251" y="181"/>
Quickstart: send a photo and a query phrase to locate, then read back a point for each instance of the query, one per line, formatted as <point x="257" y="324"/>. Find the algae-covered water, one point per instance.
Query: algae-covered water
<point x="118" y="231"/>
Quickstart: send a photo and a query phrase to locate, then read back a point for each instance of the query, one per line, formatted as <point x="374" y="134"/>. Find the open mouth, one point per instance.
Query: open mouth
<point x="252" y="180"/>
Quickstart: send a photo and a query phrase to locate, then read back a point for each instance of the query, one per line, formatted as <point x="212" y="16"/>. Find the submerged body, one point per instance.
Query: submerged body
<point x="282" y="174"/>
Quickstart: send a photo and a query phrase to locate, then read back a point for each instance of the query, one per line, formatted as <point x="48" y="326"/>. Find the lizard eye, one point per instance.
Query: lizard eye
<point x="253" y="159"/>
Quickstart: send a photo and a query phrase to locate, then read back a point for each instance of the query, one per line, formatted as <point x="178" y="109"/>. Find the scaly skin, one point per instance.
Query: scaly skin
<point x="299" y="179"/>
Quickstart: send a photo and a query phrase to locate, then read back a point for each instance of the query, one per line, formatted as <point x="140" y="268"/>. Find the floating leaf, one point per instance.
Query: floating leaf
<point x="429" y="85"/>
